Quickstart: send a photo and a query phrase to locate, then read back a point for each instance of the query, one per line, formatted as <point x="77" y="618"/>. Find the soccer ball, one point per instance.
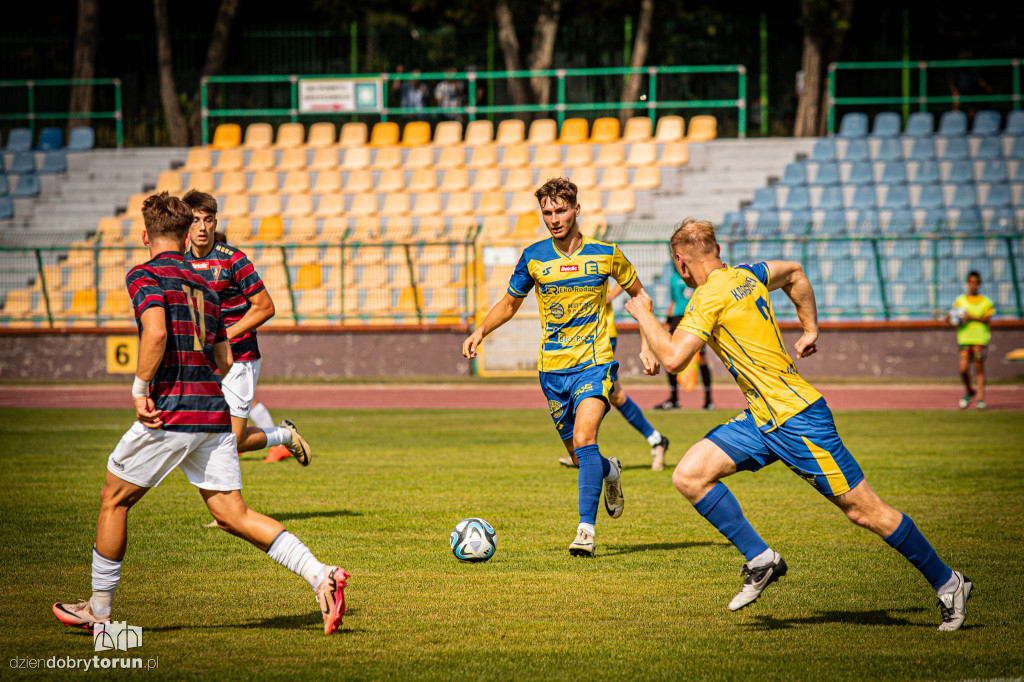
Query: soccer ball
<point x="957" y="316"/>
<point x="473" y="539"/>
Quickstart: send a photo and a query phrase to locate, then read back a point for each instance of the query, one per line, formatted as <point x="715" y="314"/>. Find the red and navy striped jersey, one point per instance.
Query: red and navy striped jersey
<point x="185" y="386"/>
<point x="232" y="276"/>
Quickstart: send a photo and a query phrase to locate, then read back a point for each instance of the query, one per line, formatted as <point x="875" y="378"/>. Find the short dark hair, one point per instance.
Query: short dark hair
<point x="557" y="188"/>
<point x="166" y="216"/>
<point x="200" y="201"/>
<point x="974" y="273"/>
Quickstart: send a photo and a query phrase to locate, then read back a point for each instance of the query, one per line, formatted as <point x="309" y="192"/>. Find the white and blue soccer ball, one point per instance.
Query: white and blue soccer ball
<point x="473" y="540"/>
<point x="957" y="316"/>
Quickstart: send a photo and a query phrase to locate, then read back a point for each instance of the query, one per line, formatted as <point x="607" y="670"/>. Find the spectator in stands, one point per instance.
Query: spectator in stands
<point x="680" y="297"/>
<point x="449" y="93"/>
<point x="970" y="314"/>
<point x="412" y="94"/>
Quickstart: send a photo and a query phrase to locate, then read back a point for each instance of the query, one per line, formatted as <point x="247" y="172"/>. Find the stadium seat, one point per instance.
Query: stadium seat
<point x="298" y="205"/>
<point x="857" y="150"/>
<point x="889" y="149"/>
<point x="863" y="197"/>
<point x="290" y="136"/>
<point x="229" y="160"/>
<point x="235" y="205"/>
<point x="452" y="157"/>
<point x="295" y="182"/>
<point x="321" y="135"/>
<point x="23" y="162"/>
<point x="293" y="158"/>
<point x="861" y="173"/>
<point x="54" y="161"/>
<point x="271" y="229"/>
<point x="519" y="179"/>
<point x="353" y="135"/>
<point x="767" y="224"/>
<point x="331" y="204"/>
<point x="955" y="148"/>
<point x="19" y="140"/>
<point x="234" y="183"/>
<point x="266" y="205"/>
<point x="614" y="177"/>
<point x="764" y="199"/>
<point x="675" y="154"/>
<point x="455" y="180"/>
<point x="853" y="125"/>
<point x="647" y="177"/>
<point x="428" y="203"/>
<point x="1017" y="149"/>
<point x="491" y="203"/>
<point x="997" y="196"/>
<point x="638" y="129"/>
<point x="605" y="130"/>
<point x="423" y="180"/>
<point x="969" y="220"/>
<point x="1014" y="123"/>
<point x="920" y="124"/>
<point x="952" y="123"/>
<point x="324" y="159"/>
<point x="522" y="202"/>
<point x="416" y="133"/>
<point x="27" y="186"/>
<point x="894" y="173"/>
<point x="447" y="133"/>
<point x="831" y="198"/>
<point x="169" y="181"/>
<point x="363" y="204"/>
<point x="383" y="134"/>
<point x="927" y="172"/>
<point x="642" y="154"/>
<point x="964" y="196"/>
<point x="579" y="155"/>
<point x="584" y="177"/>
<point x="900" y="221"/>
<point x="887" y="124"/>
<point x="827" y="174"/>
<point x="486" y="180"/>
<point x="930" y="197"/>
<point x="986" y="123"/>
<point x="389" y="156"/>
<point x="201" y="181"/>
<point x="542" y="131"/>
<point x="620" y="201"/>
<point x="392" y="180"/>
<point x="989" y="148"/>
<point x="515" y="156"/>
<point x="50" y="138"/>
<point x="994" y="170"/>
<point x="81" y="139"/>
<point x="548" y="155"/>
<point x="477" y="132"/>
<point x="961" y="170"/>
<point x="797" y="199"/>
<point x="356" y="159"/>
<point x="896" y="197"/>
<point x="6" y="208"/>
<point x="669" y="129"/>
<point x="574" y="131"/>
<point x="732" y="223"/>
<point x="611" y="154"/>
<point x="510" y="131"/>
<point x="923" y="149"/>
<point x="238" y="230"/>
<point x="309" y="276"/>
<point x="257" y="136"/>
<point x="702" y="129"/>
<point x="824" y="150"/>
<point x="484" y="156"/>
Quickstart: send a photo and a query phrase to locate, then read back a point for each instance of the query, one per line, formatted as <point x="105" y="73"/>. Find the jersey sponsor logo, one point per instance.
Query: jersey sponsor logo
<point x="200" y="265"/>
<point x="556" y="408"/>
<point x="556" y="310"/>
<point x="569" y="268"/>
<point x="591" y="268"/>
<point x="582" y="389"/>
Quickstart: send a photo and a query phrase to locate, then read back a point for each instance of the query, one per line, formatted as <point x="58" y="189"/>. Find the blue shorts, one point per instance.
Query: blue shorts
<point x="807" y="443"/>
<point x="565" y="392"/>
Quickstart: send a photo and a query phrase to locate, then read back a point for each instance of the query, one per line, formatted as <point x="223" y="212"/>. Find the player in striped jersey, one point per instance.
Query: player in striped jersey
<point x="575" y="360"/>
<point x="183" y="423"/>
<point x="786" y="419"/>
<point x="246" y="306"/>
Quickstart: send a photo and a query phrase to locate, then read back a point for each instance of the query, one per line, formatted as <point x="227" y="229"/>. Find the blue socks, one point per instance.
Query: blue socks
<point x="908" y="541"/>
<point x="720" y="507"/>
<point x="593" y="469"/>
<point x="635" y="416"/>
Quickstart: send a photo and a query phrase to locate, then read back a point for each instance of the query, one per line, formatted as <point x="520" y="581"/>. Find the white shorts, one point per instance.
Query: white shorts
<point x="145" y="456"/>
<point x="239" y="387"/>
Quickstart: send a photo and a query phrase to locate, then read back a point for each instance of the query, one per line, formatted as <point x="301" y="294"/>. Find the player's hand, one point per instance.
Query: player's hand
<point x="651" y="364"/>
<point x="147" y="413"/>
<point x="640" y="304"/>
<point x="470" y="344"/>
<point x="807" y="345"/>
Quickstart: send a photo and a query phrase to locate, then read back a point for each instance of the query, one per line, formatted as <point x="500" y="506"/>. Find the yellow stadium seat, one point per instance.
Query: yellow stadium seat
<point x="112" y="278"/>
<point x="427" y="203"/>
<point x="455" y="180"/>
<point x="332" y="204"/>
<point x="201" y="181"/>
<point x="605" y="130"/>
<point x="702" y="129"/>
<point x="621" y="201"/>
<point x="226" y="136"/>
<point x="111" y="258"/>
<point x="232" y="183"/>
<point x="353" y="135"/>
<point x="484" y="156"/>
<point x="419" y="157"/>
<point x="359" y="181"/>
<point x="302" y="230"/>
<point x="670" y="129"/>
<point x="638" y="129"/>
<point x="494" y="228"/>
<point x="290" y="135"/>
<point x="169" y="181"/>
<point x="431" y="227"/>
<point x="399" y="227"/>
<point x="527" y="225"/>
<point x="416" y="133"/>
<point x="258" y="136"/>
<point x="510" y="131"/>
<point x="292" y="159"/>
<point x="579" y="155"/>
<point x="116" y="304"/>
<point x="642" y="154"/>
<point x="459" y="203"/>
<point x="547" y="155"/>
<point x="523" y="202"/>
<point x="334" y="230"/>
<point x="611" y="154"/>
<point x="410" y="299"/>
<point x="356" y="158"/>
<point x="309" y="277"/>
<point x="391" y="181"/>
<point x="584" y="177"/>
<point x="519" y="179"/>
<point x="134" y="208"/>
<point x="423" y="180"/>
<point x="614" y="177"/>
<point x="574" y="131"/>
<point x="486" y="180"/>
<point x="542" y="131"/>
<point x="384" y="134"/>
<point x="229" y="160"/>
<point x="365" y="229"/>
<point x="321" y="135"/>
<point x="593" y="224"/>
<point x="462" y="227"/>
<point x="134" y="236"/>
<point x="264" y="182"/>
<point x="674" y="154"/>
<point x="313" y="303"/>
<point x="447" y="133"/>
<point x="83" y="302"/>
<point x="364" y="204"/>
<point x="590" y="201"/>
<point x="480" y="132"/>
<point x="261" y="159"/>
<point x="387" y="157"/>
<point x="236" y="205"/>
<point x="295" y="182"/>
<point x="515" y="156"/>
<point x="451" y="157"/>
<point x="546" y="173"/>
<point x="110" y="231"/>
<point x="18" y="303"/>
<point x="396" y="203"/>
<point x="267" y="204"/>
<point x="324" y="159"/>
<point x="298" y="205"/>
<point x="492" y="203"/>
<point x="271" y="229"/>
<point x="198" y="159"/>
<point x="646" y="177"/>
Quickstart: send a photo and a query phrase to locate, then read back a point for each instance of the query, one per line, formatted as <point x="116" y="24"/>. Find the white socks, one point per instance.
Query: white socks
<point x="654" y="438"/>
<point x="950" y="586"/>
<point x="106" y="573"/>
<point x="613" y="474"/>
<point x="277" y="435"/>
<point x="589" y="527"/>
<point x="260" y="417"/>
<point x="762" y="559"/>
<point x="288" y="550"/>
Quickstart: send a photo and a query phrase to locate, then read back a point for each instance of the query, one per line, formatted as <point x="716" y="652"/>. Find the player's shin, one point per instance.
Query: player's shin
<point x="288" y="550"/>
<point x="593" y="468"/>
<point x="106" y="574"/>
<point x="720" y="507"/>
<point x="908" y="541"/>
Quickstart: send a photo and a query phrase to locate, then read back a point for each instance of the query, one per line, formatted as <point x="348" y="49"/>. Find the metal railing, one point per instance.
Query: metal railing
<point x="32" y="115"/>
<point x="560" y="105"/>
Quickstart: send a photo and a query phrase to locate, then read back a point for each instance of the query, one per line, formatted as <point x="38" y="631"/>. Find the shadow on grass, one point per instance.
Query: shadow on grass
<point x="294" y="516"/>
<point x="872" y="617"/>
<point x="656" y="547"/>
<point x="294" y="621"/>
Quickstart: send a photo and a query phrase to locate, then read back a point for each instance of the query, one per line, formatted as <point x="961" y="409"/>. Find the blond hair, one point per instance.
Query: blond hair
<point x="694" y="233"/>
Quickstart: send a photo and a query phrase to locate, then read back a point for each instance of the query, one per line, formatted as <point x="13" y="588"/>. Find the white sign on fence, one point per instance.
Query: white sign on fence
<point x="339" y="94"/>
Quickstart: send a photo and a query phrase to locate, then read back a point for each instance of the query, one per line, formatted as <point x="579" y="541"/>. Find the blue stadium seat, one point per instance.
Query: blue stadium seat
<point x="909" y="270"/>
<point x="795" y="174"/>
<point x="81" y="139"/>
<point x="853" y="124"/>
<point x="894" y="173"/>
<point x="956" y="148"/>
<point x="930" y="197"/>
<point x="890" y="149"/>
<point x="920" y="124"/>
<point x="3" y="185"/>
<point x="799" y="222"/>
<point x="23" y="162"/>
<point x="986" y="122"/>
<point x="6" y="208"/>
<point x="864" y="197"/>
<point x="833" y="222"/>
<point x="861" y="173"/>
<point x="764" y="199"/>
<point x="28" y="186"/>
<point x="19" y="140"/>
<point x="965" y="196"/>
<point x="797" y="199"/>
<point x="768" y="224"/>
<point x="994" y="170"/>
<point x="927" y="172"/>
<point x="923" y="149"/>
<point x="1001" y="221"/>
<point x="824" y="150"/>
<point x="998" y="196"/>
<point x="50" y="138"/>
<point x="731" y="222"/>
<point x="1018" y="174"/>
<point x="868" y="221"/>
<point x="953" y="123"/>
<point x="55" y="161"/>
<point x="961" y="171"/>
<point x="827" y="174"/>
<point x="969" y="220"/>
<point x="934" y="220"/>
<point x="916" y="297"/>
<point x="857" y="150"/>
<point x="896" y="197"/>
<point x="900" y="221"/>
<point x="989" y="148"/>
<point x="831" y="198"/>
<point x="1014" y="123"/>
<point x="1017" y="150"/>
<point x="887" y="124"/>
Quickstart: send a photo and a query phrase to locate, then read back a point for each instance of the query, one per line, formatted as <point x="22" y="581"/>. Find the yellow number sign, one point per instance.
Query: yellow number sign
<point x="122" y="354"/>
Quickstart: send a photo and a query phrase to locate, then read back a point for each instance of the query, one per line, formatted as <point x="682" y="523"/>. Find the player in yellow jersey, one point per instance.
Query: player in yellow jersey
<point x="786" y="419"/>
<point x="575" y="360"/>
<point x="973" y="312"/>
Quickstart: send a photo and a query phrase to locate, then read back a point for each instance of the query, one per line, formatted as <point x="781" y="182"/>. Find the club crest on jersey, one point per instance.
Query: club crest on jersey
<point x="556" y="310"/>
<point x="569" y="268"/>
<point x="556" y="408"/>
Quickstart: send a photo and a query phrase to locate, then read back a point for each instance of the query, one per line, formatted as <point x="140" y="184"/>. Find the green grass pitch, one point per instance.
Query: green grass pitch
<point x="385" y="488"/>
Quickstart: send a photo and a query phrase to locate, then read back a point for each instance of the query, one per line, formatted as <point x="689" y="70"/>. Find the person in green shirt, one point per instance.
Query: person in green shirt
<point x="679" y="298"/>
<point x="970" y="314"/>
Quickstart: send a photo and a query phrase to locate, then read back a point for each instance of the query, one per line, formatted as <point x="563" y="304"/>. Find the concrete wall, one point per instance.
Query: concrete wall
<point x="898" y="352"/>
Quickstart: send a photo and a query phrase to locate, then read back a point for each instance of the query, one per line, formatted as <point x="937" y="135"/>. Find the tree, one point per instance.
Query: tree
<point x="214" y="65"/>
<point x="825" y="24"/>
<point x="631" y="88"/>
<point x="165" y="63"/>
<point x="86" y="40"/>
<point x="542" y="49"/>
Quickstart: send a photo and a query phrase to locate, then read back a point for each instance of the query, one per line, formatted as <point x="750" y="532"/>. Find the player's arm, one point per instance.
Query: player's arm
<point x="613" y="291"/>
<point x="261" y="309"/>
<point x="502" y="312"/>
<point x="984" y="317"/>
<point x="647" y="354"/>
<point x="673" y="350"/>
<point x="223" y="357"/>
<point x="152" y="344"/>
<point x="790" y="277"/>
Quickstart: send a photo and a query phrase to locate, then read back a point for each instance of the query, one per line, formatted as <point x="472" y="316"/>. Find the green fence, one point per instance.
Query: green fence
<point x="475" y="88"/>
<point x="922" y="98"/>
<point x="31" y="115"/>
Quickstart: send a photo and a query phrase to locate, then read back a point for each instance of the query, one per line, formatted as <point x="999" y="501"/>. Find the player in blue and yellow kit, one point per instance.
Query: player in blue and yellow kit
<point x="575" y="361"/>
<point x="786" y="419"/>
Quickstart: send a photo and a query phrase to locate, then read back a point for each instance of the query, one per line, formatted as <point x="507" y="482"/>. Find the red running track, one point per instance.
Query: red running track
<point x="506" y="396"/>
